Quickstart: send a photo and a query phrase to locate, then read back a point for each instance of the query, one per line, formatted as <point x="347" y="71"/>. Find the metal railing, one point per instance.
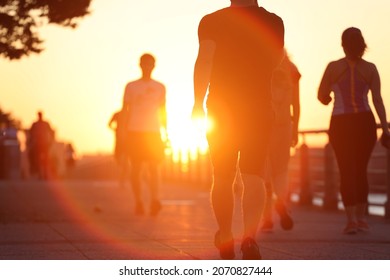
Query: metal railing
<point x="316" y="179"/>
<point x="313" y="173"/>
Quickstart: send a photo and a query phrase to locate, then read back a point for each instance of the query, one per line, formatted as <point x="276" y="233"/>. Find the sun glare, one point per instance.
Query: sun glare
<point x="186" y="139"/>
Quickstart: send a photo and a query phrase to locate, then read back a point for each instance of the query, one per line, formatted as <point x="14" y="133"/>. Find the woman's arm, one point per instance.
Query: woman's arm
<point x="325" y="87"/>
<point x="378" y="102"/>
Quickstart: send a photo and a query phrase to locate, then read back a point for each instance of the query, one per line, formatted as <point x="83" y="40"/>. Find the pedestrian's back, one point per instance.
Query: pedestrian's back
<point x="249" y="41"/>
<point x="284" y="80"/>
<point x="41" y="133"/>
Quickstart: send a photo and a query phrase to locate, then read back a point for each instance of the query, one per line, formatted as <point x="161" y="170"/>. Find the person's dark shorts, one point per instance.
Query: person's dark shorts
<point x="145" y="146"/>
<point x="247" y="137"/>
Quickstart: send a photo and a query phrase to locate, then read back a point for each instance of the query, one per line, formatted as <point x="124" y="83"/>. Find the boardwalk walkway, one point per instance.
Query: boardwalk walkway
<point x="94" y="220"/>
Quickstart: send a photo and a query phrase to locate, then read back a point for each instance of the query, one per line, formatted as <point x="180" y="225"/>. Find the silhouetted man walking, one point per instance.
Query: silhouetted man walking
<point x="239" y="47"/>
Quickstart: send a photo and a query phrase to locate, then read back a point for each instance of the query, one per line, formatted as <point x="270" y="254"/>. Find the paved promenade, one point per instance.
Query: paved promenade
<point x="77" y="220"/>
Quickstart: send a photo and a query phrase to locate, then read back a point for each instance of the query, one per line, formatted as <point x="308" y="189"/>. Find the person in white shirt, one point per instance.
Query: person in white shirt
<point x="145" y="100"/>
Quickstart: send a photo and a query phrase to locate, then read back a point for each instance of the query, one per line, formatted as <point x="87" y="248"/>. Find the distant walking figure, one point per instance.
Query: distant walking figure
<point x="118" y="122"/>
<point x="285" y="96"/>
<point x="352" y="131"/>
<point x="239" y="47"/>
<point x="41" y="139"/>
<point x="70" y="156"/>
<point x="145" y="99"/>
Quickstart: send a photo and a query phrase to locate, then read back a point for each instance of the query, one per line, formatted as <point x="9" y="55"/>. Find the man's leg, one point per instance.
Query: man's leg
<point x="279" y="160"/>
<point x="135" y="180"/>
<point x="268" y="207"/>
<point x="254" y="151"/>
<point x="224" y="153"/>
<point x="223" y="204"/>
<point x="253" y="202"/>
<point x="222" y="200"/>
<point x="154" y="183"/>
<point x="123" y="165"/>
<point x="281" y="190"/>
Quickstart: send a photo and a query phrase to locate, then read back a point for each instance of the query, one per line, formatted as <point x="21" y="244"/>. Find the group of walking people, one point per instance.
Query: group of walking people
<point x="245" y="83"/>
<point x="240" y="49"/>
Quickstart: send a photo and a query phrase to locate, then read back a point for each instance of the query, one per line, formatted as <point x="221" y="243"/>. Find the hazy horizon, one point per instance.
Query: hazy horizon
<point x="78" y="81"/>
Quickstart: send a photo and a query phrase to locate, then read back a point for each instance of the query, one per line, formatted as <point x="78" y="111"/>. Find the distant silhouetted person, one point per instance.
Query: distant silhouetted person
<point x="70" y="156"/>
<point x="145" y="99"/>
<point x="239" y="47"/>
<point x="118" y="122"/>
<point x="352" y="131"/>
<point x="41" y="139"/>
<point x="285" y="93"/>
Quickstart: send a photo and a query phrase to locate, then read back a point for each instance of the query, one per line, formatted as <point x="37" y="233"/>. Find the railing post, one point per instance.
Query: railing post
<point x="331" y="190"/>
<point x="305" y="197"/>
<point x="387" y="204"/>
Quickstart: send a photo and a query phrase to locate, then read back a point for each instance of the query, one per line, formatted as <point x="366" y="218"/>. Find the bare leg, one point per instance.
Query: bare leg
<point x="222" y="200"/>
<point x="361" y="210"/>
<point x="350" y="212"/>
<point x="123" y="166"/>
<point x="136" y="186"/>
<point x="253" y="201"/>
<point x="267" y="216"/>
<point x="154" y="183"/>
<point x="351" y="227"/>
<point x="280" y="185"/>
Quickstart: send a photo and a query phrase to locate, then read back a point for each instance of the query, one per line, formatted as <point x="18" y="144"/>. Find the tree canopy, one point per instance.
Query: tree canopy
<point x="21" y="19"/>
<point x="6" y="119"/>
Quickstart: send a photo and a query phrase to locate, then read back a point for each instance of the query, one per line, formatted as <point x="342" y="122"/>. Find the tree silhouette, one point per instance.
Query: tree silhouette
<point x="7" y="119"/>
<point x="20" y="20"/>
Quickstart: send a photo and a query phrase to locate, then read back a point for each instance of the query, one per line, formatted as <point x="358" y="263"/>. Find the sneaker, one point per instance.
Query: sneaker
<point x="267" y="226"/>
<point x="226" y="249"/>
<point x="286" y="222"/>
<point x="350" y="228"/>
<point x="250" y="250"/>
<point x="155" y="207"/>
<point x="362" y="226"/>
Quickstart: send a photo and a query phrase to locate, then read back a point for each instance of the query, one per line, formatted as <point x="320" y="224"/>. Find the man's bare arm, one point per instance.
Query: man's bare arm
<point x="202" y="74"/>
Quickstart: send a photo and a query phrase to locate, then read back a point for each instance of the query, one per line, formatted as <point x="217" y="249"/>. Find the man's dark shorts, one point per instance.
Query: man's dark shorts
<point x="145" y="146"/>
<point x="247" y="137"/>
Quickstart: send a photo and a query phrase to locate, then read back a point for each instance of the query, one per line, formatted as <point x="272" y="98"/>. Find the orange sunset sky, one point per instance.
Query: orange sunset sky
<point x="78" y="81"/>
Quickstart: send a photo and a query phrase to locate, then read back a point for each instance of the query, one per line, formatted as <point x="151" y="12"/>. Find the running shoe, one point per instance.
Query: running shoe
<point x="226" y="249"/>
<point x="250" y="249"/>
